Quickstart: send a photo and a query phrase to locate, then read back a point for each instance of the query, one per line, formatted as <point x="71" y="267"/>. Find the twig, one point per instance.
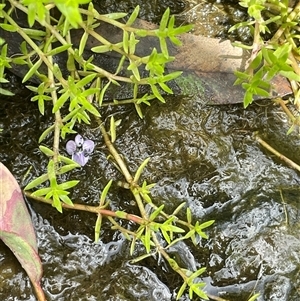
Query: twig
<point x="281" y="102"/>
<point x="276" y="153"/>
<point x="114" y="153"/>
<point x="87" y="208"/>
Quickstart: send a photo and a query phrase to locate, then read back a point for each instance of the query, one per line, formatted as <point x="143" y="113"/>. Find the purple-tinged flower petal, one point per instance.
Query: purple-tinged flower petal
<point x="79" y="140"/>
<point x="88" y="146"/>
<point x="80" y="158"/>
<point x="71" y="147"/>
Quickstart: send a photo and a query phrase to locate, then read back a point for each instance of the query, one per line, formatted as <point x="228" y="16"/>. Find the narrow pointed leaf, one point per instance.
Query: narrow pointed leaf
<point x="32" y="71"/>
<point x="36" y="182"/>
<point x="104" y="192"/>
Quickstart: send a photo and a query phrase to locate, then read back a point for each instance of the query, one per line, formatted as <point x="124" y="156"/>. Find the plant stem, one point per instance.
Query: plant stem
<point x="123" y="168"/>
<point x="285" y="109"/>
<point x="114" y="153"/>
<point x="276" y="153"/>
<point x="58" y="121"/>
<point x="87" y="208"/>
<point x="256" y="46"/>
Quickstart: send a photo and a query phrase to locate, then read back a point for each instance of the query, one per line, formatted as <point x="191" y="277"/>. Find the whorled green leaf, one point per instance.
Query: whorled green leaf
<point x="175" y="41"/>
<point x="164" y="47"/>
<point x="34" y="32"/>
<point x="132" y="43"/>
<point x="125" y="41"/>
<point x="166" y="88"/>
<point x="86" y="80"/>
<point x="42" y="191"/>
<point x="199" y="228"/>
<point x="88" y="106"/>
<point x="121" y="214"/>
<point x="3" y="80"/>
<point x="36" y="10"/>
<point x="67" y="185"/>
<point x="254" y="297"/>
<point x="67" y="168"/>
<point x="36" y="182"/>
<point x="157" y="94"/>
<point x="59" y="49"/>
<point x="164" y="20"/>
<point x="102" y="48"/>
<point x="140" y="170"/>
<point x="133" y="16"/>
<point x="16" y="229"/>
<point x="115" y="16"/>
<point x="181" y="291"/>
<point x="60" y="102"/>
<point x="156" y="212"/>
<point x="98" y="227"/>
<point x="65" y="199"/>
<point x="248" y="98"/>
<point x="6" y="92"/>
<point x="19" y="61"/>
<point x="47" y="151"/>
<point x="134" y="68"/>
<point x="8" y="27"/>
<point x="104" y="193"/>
<point x="82" y="43"/>
<point x="139" y="110"/>
<point x="51" y="172"/>
<point x="290" y="75"/>
<point x="177" y="210"/>
<point x="32" y="70"/>
<point x="147" y="239"/>
<point x="45" y="133"/>
<point x="197" y="289"/>
<point x="256" y="61"/>
<point x="112" y="129"/>
<point x="71" y="11"/>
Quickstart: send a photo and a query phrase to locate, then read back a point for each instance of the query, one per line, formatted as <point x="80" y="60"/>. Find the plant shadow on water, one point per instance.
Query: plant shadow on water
<point x="203" y="155"/>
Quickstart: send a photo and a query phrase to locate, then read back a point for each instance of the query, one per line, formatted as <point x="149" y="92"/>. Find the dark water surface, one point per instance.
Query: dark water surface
<point x="205" y="156"/>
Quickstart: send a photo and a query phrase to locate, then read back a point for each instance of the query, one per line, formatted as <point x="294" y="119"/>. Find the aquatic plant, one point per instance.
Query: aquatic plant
<point x="274" y="25"/>
<point x="76" y="97"/>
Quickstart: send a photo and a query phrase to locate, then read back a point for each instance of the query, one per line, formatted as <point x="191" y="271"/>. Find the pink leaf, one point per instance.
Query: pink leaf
<point x="16" y="229"/>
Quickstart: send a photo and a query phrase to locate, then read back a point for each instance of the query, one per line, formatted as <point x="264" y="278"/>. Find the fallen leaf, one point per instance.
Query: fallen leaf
<point x="16" y="229"/>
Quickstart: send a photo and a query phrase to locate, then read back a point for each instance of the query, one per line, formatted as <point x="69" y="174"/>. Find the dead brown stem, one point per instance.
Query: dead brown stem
<point x="277" y="154"/>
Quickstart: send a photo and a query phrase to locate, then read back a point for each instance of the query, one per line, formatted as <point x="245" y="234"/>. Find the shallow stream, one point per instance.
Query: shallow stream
<point x="203" y="155"/>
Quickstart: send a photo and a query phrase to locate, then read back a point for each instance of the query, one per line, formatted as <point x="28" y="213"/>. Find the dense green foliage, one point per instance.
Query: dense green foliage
<point x="275" y="55"/>
<point x="77" y="97"/>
